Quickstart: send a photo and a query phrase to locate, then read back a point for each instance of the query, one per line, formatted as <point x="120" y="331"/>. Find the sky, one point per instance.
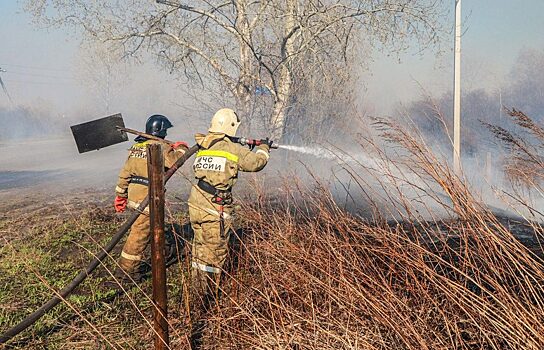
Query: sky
<point x="44" y="70"/>
<point x="41" y="64"/>
<point x="494" y="32"/>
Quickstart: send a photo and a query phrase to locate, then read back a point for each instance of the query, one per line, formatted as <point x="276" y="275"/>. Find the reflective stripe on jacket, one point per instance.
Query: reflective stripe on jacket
<point x="136" y="165"/>
<point x="220" y="159"/>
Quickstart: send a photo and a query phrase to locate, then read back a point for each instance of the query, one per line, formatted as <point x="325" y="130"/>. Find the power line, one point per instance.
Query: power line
<point x="34" y="67"/>
<point x="41" y="75"/>
<point x="10" y="81"/>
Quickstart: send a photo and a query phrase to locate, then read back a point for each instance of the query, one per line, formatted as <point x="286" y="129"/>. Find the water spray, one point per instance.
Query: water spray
<point x="314" y="151"/>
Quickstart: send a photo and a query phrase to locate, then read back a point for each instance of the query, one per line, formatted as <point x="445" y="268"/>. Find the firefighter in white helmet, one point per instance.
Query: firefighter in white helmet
<point x="216" y="168"/>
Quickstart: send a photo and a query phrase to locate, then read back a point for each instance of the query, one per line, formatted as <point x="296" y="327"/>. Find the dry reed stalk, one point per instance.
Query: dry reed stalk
<point x="310" y="275"/>
<point x="525" y="164"/>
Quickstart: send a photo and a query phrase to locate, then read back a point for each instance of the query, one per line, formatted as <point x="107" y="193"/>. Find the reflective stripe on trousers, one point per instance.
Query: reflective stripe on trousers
<point x="205" y="268"/>
<point x="130" y="256"/>
<point x="210" y="211"/>
<point x="135" y="205"/>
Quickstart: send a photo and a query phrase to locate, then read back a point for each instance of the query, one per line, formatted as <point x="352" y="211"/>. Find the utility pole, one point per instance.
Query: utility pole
<point x="457" y="92"/>
<point x="4" y="86"/>
<point x="155" y="169"/>
<point x="500" y="106"/>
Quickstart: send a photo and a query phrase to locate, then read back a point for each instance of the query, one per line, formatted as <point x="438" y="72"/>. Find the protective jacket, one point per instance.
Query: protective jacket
<point x="133" y="181"/>
<point x="217" y="165"/>
<point x="220" y="159"/>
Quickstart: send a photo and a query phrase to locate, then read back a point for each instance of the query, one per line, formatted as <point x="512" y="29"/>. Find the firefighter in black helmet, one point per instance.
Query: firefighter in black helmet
<point x="132" y="188"/>
<point x="156" y="125"/>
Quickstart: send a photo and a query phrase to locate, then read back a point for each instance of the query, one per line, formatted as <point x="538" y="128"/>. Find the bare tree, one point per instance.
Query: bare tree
<point x="242" y="48"/>
<point x="525" y="85"/>
<point x="102" y="72"/>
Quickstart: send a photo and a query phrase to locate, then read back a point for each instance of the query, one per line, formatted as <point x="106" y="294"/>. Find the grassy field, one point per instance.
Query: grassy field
<point x="42" y="253"/>
<point x="444" y="272"/>
<point x="312" y="277"/>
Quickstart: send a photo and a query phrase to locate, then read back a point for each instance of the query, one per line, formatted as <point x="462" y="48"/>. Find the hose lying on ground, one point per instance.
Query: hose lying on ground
<point x="36" y="315"/>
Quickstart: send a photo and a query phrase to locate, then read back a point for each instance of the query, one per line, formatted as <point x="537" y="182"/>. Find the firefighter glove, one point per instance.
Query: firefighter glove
<point x="268" y="142"/>
<point x="120" y="204"/>
<point x="264" y="147"/>
<point x="180" y="144"/>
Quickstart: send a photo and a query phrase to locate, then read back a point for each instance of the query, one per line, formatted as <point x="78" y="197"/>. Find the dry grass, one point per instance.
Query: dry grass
<point x="330" y="281"/>
<point x="525" y="164"/>
<point x="308" y="274"/>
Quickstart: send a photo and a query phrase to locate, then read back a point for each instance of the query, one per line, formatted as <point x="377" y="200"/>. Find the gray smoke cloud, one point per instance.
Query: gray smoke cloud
<point x="37" y="148"/>
<point x="24" y="122"/>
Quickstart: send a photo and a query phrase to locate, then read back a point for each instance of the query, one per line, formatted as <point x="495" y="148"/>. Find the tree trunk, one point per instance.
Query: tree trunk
<point x="277" y="119"/>
<point x="243" y="87"/>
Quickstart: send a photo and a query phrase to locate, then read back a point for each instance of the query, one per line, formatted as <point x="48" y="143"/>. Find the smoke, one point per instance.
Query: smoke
<point x="38" y="152"/>
<point x="384" y="168"/>
<point x="150" y="92"/>
<point x="24" y="122"/>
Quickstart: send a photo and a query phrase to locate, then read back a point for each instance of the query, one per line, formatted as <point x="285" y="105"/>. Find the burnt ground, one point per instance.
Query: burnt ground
<point x="530" y="234"/>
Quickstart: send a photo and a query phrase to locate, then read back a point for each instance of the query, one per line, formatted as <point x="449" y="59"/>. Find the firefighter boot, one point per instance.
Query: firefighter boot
<point x="203" y="295"/>
<point x="204" y="292"/>
<point x="133" y="250"/>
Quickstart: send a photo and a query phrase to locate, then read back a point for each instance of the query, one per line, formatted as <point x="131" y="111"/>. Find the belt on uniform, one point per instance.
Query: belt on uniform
<point x="219" y="196"/>
<point x="140" y="180"/>
<point x="208" y="188"/>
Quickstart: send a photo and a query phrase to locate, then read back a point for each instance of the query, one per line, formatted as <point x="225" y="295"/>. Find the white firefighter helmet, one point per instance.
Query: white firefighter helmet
<point x="225" y="121"/>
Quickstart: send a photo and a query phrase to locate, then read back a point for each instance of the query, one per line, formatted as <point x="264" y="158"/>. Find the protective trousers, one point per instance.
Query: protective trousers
<point x="133" y="250"/>
<point x="210" y="242"/>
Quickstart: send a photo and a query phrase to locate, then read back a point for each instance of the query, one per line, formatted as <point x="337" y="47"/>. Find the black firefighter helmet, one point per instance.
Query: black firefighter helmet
<point x="156" y="125"/>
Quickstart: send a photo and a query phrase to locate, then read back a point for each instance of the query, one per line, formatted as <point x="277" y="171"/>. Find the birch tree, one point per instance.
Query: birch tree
<point x="253" y="52"/>
<point x="102" y="73"/>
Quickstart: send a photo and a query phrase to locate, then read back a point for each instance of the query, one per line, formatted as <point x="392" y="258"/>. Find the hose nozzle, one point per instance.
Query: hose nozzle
<point x="251" y="143"/>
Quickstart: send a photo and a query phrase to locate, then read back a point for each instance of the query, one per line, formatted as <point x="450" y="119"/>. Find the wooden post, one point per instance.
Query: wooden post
<point x="155" y="168"/>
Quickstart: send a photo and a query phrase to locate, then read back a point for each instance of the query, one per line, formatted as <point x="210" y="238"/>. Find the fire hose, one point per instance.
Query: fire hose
<point x="62" y="294"/>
